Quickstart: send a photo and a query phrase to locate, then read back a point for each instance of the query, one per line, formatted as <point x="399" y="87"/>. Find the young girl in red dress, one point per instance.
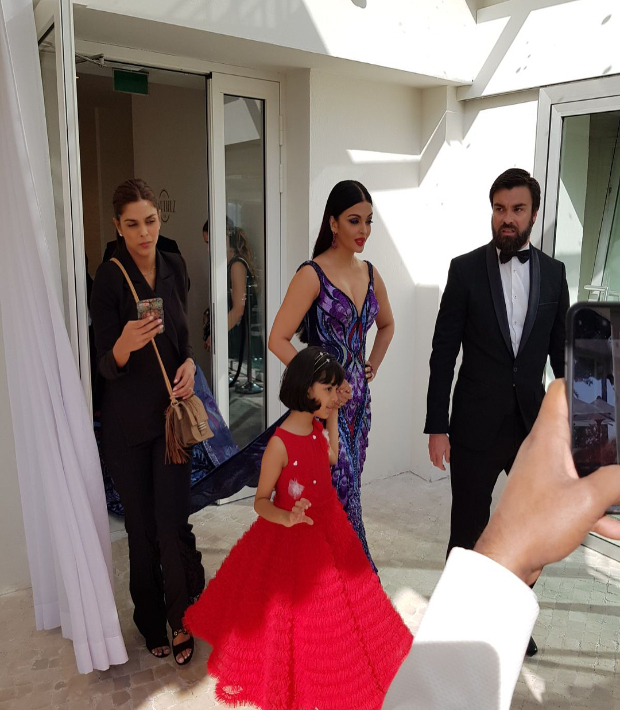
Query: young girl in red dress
<point x="296" y="616"/>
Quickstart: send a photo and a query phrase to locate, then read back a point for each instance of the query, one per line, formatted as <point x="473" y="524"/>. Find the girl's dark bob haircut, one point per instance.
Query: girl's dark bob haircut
<point x="307" y="367"/>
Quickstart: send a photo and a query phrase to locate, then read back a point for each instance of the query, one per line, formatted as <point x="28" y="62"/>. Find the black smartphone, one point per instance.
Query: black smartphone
<point x="592" y="365"/>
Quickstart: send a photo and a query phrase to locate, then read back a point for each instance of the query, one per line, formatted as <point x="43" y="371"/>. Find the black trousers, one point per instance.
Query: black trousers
<point x="165" y="570"/>
<point x="473" y="475"/>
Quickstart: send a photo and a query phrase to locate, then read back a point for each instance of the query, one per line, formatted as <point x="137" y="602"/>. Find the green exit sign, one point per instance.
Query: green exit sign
<point x="131" y="82"/>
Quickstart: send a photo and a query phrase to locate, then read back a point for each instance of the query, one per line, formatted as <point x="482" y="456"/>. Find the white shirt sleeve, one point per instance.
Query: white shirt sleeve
<point x="472" y="640"/>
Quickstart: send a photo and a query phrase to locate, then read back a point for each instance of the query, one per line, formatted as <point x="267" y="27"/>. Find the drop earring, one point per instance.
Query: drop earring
<point x="334" y="243"/>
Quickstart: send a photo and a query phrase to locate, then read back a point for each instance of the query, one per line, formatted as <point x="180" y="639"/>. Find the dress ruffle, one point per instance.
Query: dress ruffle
<point x="298" y="620"/>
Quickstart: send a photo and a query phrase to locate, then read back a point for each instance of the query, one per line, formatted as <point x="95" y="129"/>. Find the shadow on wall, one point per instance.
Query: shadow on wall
<point x="387" y="162"/>
<point x="518" y="13"/>
<point x="428" y="216"/>
<point x="269" y="23"/>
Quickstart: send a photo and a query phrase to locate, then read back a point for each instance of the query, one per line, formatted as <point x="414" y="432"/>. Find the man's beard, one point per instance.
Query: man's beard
<point x="511" y="245"/>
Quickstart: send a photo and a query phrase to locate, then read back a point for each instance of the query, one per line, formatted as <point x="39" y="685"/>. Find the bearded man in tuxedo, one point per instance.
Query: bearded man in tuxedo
<point x="505" y="304"/>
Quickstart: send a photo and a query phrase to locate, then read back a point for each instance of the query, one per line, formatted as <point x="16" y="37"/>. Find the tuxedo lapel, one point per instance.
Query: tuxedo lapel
<point x="497" y="293"/>
<point x="532" y="304"/>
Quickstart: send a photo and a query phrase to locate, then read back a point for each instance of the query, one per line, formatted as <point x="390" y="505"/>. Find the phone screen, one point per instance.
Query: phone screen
<point x="593" y="363"/>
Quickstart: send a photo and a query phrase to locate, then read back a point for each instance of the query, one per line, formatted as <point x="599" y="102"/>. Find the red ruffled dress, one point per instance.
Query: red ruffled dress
<point x="296" y="617"/>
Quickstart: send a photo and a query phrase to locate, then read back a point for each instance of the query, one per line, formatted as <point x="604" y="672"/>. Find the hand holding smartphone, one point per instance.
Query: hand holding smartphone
<point x="151" y="307"/>
<point x="592" y="366"/>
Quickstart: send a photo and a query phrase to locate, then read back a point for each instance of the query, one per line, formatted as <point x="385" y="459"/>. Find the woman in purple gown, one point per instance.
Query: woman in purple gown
<point x="336" y="298"/>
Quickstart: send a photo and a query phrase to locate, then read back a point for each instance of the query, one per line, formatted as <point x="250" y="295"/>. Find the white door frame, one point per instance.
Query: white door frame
<point x="554" y="104"/>
<point x="59" y="15"/>
<point x="240" y="81"/>
<point x="268" y="91"/>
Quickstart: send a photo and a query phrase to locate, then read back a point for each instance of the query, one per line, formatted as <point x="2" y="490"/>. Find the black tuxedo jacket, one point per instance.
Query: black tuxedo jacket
<point x="136" y="395"/>
<point x="472" y="314"/>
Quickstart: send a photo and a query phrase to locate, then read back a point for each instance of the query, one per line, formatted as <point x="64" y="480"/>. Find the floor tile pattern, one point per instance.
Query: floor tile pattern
<point x="407" y="525"/>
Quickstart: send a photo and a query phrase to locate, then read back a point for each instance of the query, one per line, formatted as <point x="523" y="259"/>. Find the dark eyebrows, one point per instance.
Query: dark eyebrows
<point x="131" y="219"/>
<point x="360" y="216"/>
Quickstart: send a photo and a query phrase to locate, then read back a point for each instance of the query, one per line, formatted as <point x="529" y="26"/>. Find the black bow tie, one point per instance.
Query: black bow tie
<point x="522" y="256"/>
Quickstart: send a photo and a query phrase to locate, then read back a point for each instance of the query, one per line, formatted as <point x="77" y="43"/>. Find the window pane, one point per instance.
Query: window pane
<point x="245" y="241"/>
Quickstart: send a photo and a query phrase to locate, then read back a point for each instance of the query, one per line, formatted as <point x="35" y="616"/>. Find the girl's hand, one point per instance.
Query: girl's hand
<point x="298" y="513"/>
<point x="344" y="393"/>
<point x="369" y="371"/>
<point x="137" y="333"/>
<point x="184" y="380"/>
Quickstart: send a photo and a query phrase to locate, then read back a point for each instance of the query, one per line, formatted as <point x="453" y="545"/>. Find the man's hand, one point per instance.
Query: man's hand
<point x="546" y="510"/>
<point x="439" y="449"/>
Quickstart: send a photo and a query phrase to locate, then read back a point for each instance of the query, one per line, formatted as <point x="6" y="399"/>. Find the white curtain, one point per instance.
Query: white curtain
<point x="65" y="519"/>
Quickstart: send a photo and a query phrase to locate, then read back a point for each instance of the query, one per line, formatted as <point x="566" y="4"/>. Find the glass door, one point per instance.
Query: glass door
<point x="587" y="230"/>
<point x="582" y="209"/>
<point x="244" y="243"/>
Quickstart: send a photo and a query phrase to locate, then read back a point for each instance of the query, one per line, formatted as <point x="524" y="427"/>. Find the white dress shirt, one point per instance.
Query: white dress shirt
<point x="470" y="646"/>
<point x="516" y="287"/>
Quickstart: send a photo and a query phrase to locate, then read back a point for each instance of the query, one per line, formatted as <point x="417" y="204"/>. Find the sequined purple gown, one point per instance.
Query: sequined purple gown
<point x="334" y="324"/>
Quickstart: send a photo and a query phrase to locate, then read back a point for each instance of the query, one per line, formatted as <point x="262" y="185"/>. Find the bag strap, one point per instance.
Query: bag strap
<point x="161" y="364"/>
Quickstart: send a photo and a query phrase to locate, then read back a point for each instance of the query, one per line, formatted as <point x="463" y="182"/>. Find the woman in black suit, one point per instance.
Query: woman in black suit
<point x="165" y="568"/>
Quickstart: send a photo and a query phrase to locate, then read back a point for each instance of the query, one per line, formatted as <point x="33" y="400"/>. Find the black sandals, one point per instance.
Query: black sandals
<point x="183" y="646"/>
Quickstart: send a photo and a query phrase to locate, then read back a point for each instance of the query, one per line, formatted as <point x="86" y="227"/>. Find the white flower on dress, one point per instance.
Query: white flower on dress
<point x="295" y="489"/>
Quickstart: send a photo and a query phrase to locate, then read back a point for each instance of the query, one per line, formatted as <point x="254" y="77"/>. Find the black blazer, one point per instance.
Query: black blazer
<point x="163" y="244"/>
<point x="472" y="314"/>
<point x="136" y="395"/>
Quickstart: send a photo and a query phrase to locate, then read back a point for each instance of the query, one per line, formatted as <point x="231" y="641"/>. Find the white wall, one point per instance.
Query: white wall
<point x="14" y="569"/>
<point x="453" y="216"/>
<point x="520" y="44"/>
<point x="429" y="162"/>
<point x="370" y="132"/>
<point x="296" y="162"/>
<point x="428" y="38"/>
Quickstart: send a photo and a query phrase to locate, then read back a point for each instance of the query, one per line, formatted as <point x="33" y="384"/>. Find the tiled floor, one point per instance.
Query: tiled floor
<point x="406" y="520"/>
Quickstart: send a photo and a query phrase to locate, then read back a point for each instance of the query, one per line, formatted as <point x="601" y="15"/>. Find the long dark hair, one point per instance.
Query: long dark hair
<point x="344" y="194"/>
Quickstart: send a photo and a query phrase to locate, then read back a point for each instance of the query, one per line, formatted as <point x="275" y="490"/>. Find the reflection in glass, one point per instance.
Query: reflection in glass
<point x="588" y="218"/>
<point x="245" y="243"/>
<point x="587" y="240"/>
<point x="593" y="406"/>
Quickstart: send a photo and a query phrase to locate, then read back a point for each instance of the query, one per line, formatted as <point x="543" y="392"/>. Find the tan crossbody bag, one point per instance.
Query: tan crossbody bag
<point x="187" y="422"/>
